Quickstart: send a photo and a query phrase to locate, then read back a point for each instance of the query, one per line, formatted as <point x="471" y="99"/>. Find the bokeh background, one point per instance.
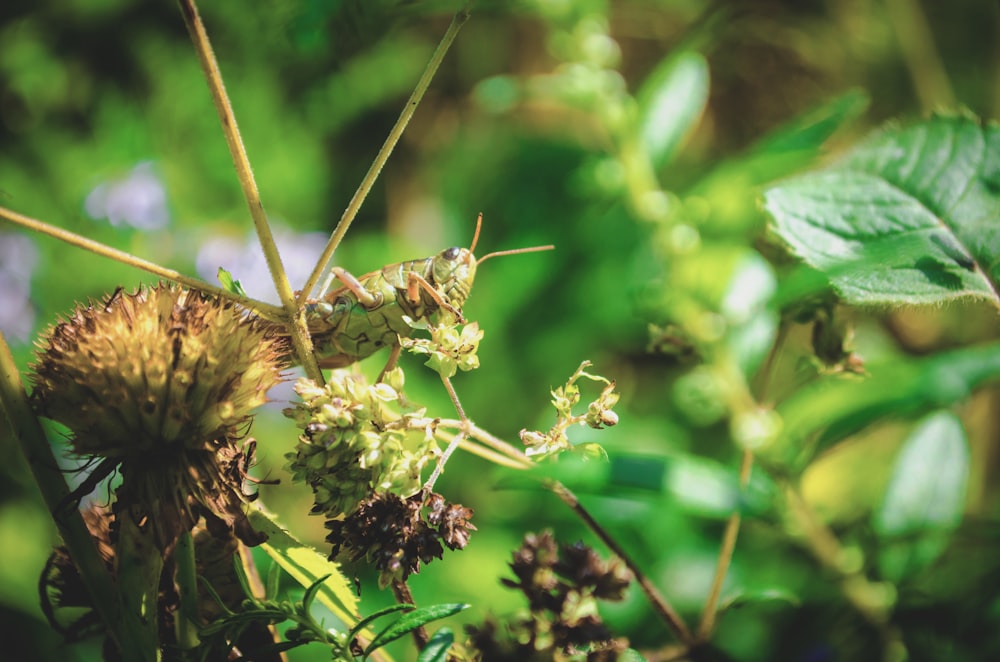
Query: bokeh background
<point x="107" y="129"/>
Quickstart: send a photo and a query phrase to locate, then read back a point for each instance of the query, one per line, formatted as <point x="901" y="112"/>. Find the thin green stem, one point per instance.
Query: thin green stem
<point x="297" y="328"/>
<point x="264" y="309"/>
<point x="186" y="578"/>
<point x="459" y="438"/>
<point x="124" y="627"/>
<point x="660" y="604"/>
<point x="726" y="550"/>
<point x="383" y="154"/>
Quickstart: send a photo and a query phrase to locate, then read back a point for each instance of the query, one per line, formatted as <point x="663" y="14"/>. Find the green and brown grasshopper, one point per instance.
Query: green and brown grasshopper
<point x="373" y="311"/>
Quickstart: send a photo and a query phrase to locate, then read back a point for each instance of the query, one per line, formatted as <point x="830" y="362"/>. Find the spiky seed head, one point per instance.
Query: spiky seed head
<point x="162" y="367"/>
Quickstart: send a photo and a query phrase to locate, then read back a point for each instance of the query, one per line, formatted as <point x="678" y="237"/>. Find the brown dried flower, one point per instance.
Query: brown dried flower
<point x="395" y="536"/>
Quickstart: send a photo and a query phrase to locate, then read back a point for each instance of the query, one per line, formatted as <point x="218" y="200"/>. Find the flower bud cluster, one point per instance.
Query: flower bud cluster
<point x="448" y="349"/>
<point x="355" y="442"/>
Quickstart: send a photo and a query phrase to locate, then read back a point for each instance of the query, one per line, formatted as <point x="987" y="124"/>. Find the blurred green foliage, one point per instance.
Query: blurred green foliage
<point x="622" y="132"/>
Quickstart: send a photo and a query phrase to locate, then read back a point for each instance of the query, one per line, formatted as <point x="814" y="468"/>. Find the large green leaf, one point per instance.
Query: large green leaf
<point x="909" y="216"/>
<point x="925" y="499"/>
<point x="841" y="405"/>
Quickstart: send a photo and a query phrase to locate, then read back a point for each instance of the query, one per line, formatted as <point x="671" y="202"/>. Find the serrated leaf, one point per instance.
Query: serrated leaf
<point x="412" y="621"/>
<point x="907" y="217"/>
<point x="671" y="101"/>
<point x="306" y="566"/>
<point x="436" y="649"/>
<point x="925" y="498"/>
<point x="842" y="405"/>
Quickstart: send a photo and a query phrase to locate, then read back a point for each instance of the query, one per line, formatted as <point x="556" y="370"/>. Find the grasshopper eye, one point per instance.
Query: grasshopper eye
<point x="451" y="253"/>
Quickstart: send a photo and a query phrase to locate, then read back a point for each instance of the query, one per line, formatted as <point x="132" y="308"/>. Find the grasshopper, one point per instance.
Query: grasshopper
<point x="373" y="311"/>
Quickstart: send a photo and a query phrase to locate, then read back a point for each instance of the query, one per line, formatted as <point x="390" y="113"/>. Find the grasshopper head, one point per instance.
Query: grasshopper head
<point x="454" y="270"/>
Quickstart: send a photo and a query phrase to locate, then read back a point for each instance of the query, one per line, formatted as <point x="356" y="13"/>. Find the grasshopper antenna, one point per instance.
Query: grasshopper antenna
<point x="512" y="251"/>
<point x="515" y="251"/>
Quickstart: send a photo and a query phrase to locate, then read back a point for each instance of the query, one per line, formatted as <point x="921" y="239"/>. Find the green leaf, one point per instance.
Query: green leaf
<point x="760" y="596"/>
<point x="377" y="615"/>
<point x="785" y="150"/>
<point x="436" y="649"/>
<point x="841" y="405"/>
<point x="806" y="133"/>
<point x="925" y="499"/>
<point x="671" y="101"/>
<point x="411" y="622"/>
<point x="229" y="283"/>
<point x="307" y="566"/>
<point x="631" y="655"/>
<point x="908" y="217"/>
<point x="310" y="594"/>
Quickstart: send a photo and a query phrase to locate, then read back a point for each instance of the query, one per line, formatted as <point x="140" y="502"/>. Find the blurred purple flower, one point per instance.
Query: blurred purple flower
<point x="17" y="260"/>
<point x="245" y="260"/>
<point x="138" y="199"/>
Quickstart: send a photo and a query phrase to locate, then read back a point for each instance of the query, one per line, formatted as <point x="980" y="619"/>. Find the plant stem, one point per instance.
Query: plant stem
<point x="666" y="612"/>
<point x="124" y="626"/>
<point x="405" y="597"/>
<point x="264" y="309"/>
<point x="297" y="328"/>
<point x="439" y="468"/>
<point x="383" y="154"/>
<point x="726" y="550"/>
<point x="873" y="600"/>
<point x="186" y="579"/>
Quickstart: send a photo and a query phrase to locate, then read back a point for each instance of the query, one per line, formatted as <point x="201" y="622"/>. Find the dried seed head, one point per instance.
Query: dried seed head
<point x="158" y="369"/>
<point x="161" y="384"/>
<point x="396" y="536"/>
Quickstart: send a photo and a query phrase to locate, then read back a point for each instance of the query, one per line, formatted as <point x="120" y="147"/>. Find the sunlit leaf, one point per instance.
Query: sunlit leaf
<point x="306" y="566"/>
<point x="925" y="498"/>
<point x="907" y="217"/>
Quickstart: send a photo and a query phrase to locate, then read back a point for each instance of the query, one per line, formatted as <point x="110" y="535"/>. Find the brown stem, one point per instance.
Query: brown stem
<point x="660" y="604"/>
<point x="405" y="597"/>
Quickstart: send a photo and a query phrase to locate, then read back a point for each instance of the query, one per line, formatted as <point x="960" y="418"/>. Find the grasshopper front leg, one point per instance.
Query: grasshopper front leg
<point x="367" y="299"/>
<point x="415" y="282"/>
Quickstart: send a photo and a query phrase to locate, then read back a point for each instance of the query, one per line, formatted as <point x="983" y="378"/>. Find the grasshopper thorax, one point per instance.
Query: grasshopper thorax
<point x="453" y="271"/>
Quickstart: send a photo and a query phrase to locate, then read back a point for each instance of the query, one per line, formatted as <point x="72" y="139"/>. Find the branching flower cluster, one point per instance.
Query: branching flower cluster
<point x="600" y="413"/>
<point x="449" y="349"/>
